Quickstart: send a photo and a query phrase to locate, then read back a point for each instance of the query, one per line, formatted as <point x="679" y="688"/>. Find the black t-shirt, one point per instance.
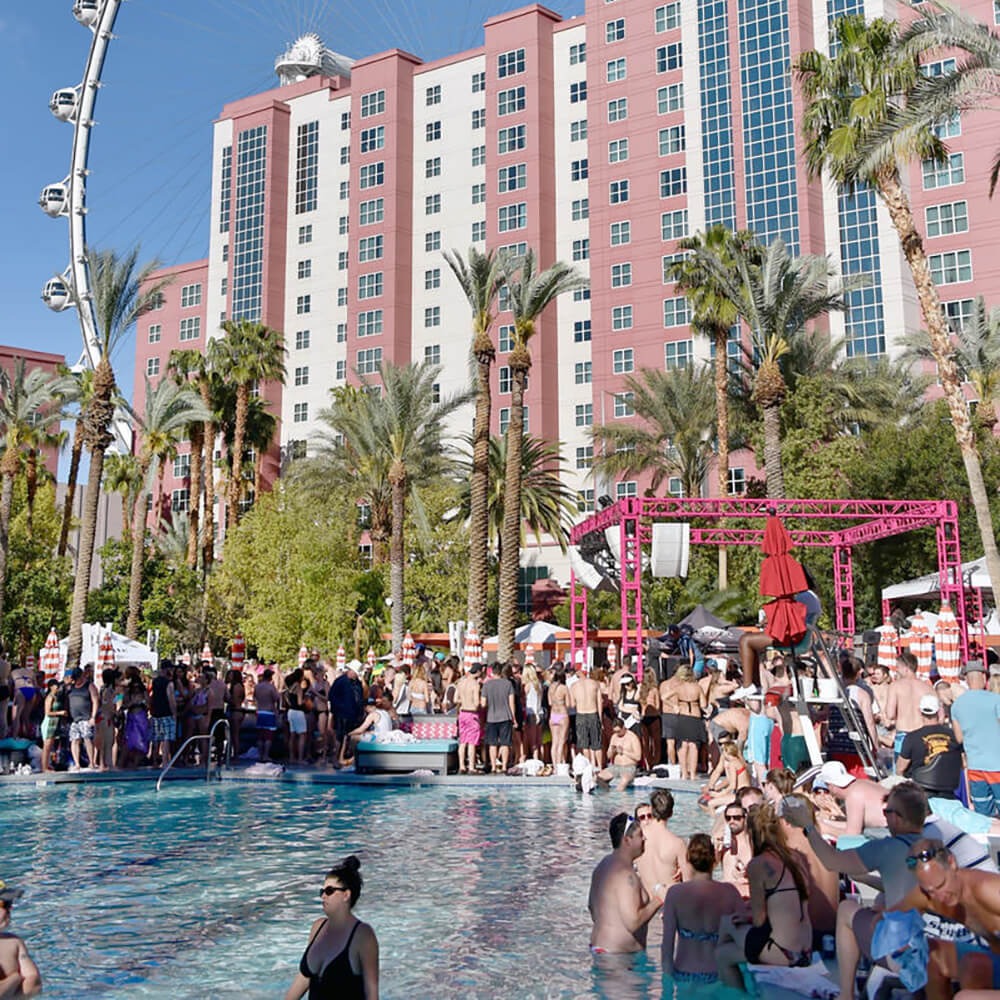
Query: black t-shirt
<point x="935" y="758"/>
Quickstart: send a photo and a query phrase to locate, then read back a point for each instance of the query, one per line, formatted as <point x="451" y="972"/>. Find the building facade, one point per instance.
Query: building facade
<point x="600" y="140"/>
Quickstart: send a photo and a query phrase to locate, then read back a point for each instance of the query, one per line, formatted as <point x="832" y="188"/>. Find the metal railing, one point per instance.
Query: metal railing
<point x="210" y="736"/>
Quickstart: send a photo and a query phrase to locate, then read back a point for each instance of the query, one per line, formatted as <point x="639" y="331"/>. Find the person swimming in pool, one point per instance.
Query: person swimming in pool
<point x="19" y="976"/>
<point x="341" y="959"/>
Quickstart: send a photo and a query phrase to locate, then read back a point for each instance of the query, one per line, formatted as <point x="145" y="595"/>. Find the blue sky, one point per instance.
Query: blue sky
<point x="173" y="66"/>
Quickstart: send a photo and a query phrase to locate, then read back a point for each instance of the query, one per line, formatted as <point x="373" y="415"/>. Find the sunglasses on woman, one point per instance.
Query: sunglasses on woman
<point x="329" y="890"/>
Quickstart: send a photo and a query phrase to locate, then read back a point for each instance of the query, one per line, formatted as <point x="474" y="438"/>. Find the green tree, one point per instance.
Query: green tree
<point x="122" y="477"/>
<point x="531" y="292"/>
<point x="77" y="393"/>
<point x="480" y="279"/>
<point x="856" y="132"/>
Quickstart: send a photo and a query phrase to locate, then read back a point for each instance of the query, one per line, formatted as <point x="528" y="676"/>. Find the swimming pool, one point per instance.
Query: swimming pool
<point x="208" y="891"/>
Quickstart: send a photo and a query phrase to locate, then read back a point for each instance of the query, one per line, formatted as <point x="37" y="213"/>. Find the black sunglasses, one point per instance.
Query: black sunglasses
<point x="329" y="890"/>
<point x="739" y="815"/>
<point x="929" y="854"/>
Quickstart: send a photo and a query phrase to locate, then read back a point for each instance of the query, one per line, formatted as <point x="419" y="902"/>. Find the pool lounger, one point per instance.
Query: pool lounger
<point x="431" y="755"/>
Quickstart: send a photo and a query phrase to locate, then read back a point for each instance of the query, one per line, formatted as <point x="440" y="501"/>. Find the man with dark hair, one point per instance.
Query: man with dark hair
<point x="163" y="715"/>
<point x="267" y="700"/>
<point x="619" y="904"/>
<point x="902" y="708"/>
<point x="664" y="860"/>
<point x="497" y="697"/>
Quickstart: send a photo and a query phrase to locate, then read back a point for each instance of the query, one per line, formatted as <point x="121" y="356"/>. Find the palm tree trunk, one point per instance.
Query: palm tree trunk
<point x="138" y="558"/>
<point x="898" y="205"/>
<point x="510" y="531"/>
<point x="31" y="488"/>
<point x="772" y="452"/>
<point x="479" y="485"/>
<point x="235" y="485"/>
<point x="74" y="472"/>
<point x="128" y="509"/>
<point x="258" y="474"/>
<point x="208" y="525"/>
<point x="160" y="507"/>
<point x="194" y="489"/>
<point x="6" y="501"/>
<point x="722" y="434"/>
<point x="397" y="554"/>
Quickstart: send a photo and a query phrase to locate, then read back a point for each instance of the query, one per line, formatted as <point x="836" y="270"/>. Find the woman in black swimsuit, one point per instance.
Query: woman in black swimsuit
<point x="341" y="959"/>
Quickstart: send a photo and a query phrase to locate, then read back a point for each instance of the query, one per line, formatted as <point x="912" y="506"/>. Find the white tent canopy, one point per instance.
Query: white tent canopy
<point x="539" y="634"/>
<point x="127" y="651"/>
<point x="974" y="576"/>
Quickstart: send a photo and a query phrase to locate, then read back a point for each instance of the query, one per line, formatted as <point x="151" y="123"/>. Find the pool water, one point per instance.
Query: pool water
<point x="208" y="891"/>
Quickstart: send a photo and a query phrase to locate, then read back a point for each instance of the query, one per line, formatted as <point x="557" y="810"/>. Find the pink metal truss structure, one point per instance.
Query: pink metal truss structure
<point x="869" y="520"/>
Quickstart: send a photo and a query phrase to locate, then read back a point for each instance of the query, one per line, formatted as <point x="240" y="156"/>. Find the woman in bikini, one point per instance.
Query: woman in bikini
<point x="420" y="691"/>
<point x="649" y="700"/>
<point x="691" y="732"/>
<point x="341" y="959"/>
<point x="558" y="716"/>
<point x="781" y="932"/>
<point x="730" y="774"/>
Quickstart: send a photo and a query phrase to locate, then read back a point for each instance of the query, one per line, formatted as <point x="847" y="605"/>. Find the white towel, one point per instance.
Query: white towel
<point x="584" y="770"/>
<point x="810" y="981"/>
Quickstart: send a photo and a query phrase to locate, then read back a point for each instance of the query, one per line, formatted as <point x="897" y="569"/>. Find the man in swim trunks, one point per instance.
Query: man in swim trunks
<point x="267" y="699"/>
<point x="624" y="754"/>
<point x="664" y="858"/>
<point x="974" y="718"/>
<point x="585" y="696"/>
<point x="902" y="708"/>
<point x="19" y="976"/>
<point x="619" y="904"/>
<point x="497" y="697"/>
<point x="470" y="730"/>
<point x="83" y="706"/>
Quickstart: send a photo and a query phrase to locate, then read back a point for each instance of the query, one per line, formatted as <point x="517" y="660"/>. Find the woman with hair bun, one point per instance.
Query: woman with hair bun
<point x="341" y="959"/>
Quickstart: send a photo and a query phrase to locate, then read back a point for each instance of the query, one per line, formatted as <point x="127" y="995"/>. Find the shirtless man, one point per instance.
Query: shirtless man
<point x="862" y="800"/>
<point x="470" y="730"/>
<point x="585" y="697"/>
<point x="619" y="904"/>
<point x="664" y="861"/>
<point x="19" y="976"/>
<point x="267" y="700"/>
<point x="217" y="692"/>
<point x="624" y="754"/>
<point x="902" y="708"/>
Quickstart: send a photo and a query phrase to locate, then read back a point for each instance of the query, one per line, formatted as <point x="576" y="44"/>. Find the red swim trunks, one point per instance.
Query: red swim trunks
<point x="470" y="730"/>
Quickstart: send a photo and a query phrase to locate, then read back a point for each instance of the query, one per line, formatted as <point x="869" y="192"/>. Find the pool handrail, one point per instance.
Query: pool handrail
<point x="210" y="736"/>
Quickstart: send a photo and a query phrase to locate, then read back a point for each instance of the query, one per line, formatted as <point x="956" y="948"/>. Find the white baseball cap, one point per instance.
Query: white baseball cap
<point x="929" y="705"/>
<point x="834" y="773"/>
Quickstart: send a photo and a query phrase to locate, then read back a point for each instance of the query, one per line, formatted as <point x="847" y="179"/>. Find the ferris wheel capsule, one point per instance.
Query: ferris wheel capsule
<point x="56" y="294"/>
<point x="53" y="199"/>
<point x="65" y="103"/>
<point x="87" y="11"/>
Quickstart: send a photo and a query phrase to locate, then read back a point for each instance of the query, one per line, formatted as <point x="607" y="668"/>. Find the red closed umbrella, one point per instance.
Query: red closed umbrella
<point x="782" y="577"/>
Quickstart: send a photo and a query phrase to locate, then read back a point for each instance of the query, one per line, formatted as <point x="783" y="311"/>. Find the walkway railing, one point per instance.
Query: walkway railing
<point x="222" y="759"/>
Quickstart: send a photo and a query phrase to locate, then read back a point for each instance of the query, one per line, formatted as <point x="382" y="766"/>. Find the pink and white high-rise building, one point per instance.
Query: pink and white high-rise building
<point x="599" y="140"/>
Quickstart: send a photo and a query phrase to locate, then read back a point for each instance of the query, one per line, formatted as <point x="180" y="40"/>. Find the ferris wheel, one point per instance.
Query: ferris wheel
<point x="68" y="197"/>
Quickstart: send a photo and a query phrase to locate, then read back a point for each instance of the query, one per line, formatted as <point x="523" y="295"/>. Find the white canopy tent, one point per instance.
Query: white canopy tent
<point x="128" y="652"/>
<point x="974" y="576"/>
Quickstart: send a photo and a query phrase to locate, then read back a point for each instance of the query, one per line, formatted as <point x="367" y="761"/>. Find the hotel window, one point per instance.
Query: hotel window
<point x="623" y="361"/>
<point x="585" y="457"/>
<point x="512" y="250"/>
<point x="621" y="318"/>
<point x="578" y="92"/>
<point x="180" y="500"/>
<point x="581" y="249"/>
<point x="618" y="110"/>
<point x="371" y="212"/>
<point x="345" y="120"/>
<point x="948" y="128"/>
<point x="675" y="311"/>
<point x="300" y="413"/>
<point x="371" y="248"/>
<point x="511" y="178"/>
<point x="503" y="380"/>
<point x="369" y="360"/>
<point x="504" y="419"/>
<point x="944" y="220"/>
<point x="938" y="175"/>
<point x="942" y="67"/>
<point x="433" y="95"/>
<point x="674" y="225"/>
<point x="996" y="11"/>
<point x="623" y="407"/>
<point x="152" y="367"/>
<point x="479" y="232"/>
<point x="303" y="305"/>
<point x="182" y="466"/>
<point x="191" y="328"/>
<point x="584" y="414"/>
<point x="578" y="130"/>
<point x="304" y="269"/>
<point x="673" y="182"/>
<point x="510" y="101"/>
<point x="578" y="53"/>
<point x="344" y="191"/>
<point x="584" y="500"/>
<point x="578" y="170"/>
<point x="306" y="167"/>
<point x="959" y="313"/>
<point x="614" y="31"/>
<point x="671" y="140"/>
<point x="509" y="139"/>
<point x="372" y="174"/>
<point x="952" y="267"/>
<point x="617" y="150"/>
<point x="479" y="82"/>
<point x="510" y="63"/>
<point x="667" y="17"/>
<point x="301" y="340"/>
<point x="670" y="98"/>
<point x="581" y="209"/>
<point x="302" y="375"/>
<point x="505" y="338"/>
<point x="432" y="316"/>
<point x="342" y="260"/>
<point x="157" y="301"/>
<point x="372" y="139"/>
<point x="432" y="354"/>
<point x="155" y="332"/>
<point x="370" y="323"/>
<point x="341" y="333"/>
<point x="669" y="57"/>
<point x="432" y="278"/>
<point x="478" y="156"/>
<point x="432" y="167"/>
<point x="583" y="372"/>
<point x="737" y="480"/>
<point x="373" y="103"/>
<point x="343" y="225"/>
<point x="478" y="118"/>
<point x="370" y="285"/>
<point x="677" y="354"/>
<point x="621" y="233"/>
<point x="432" y="240"/>
<point x="618" y="192"/>
<point x="432" y="131"/>
<point x="479" y="193"/>
<point x="190" y="296"/>
<point x="510" y="217"/>
<point x="225" y="246"/>
<point x="305" y="234"/>
<point x="341" y="371"/>
<point x="581" y="331"/>
<point x="341" y="296"/>
<point x="621" y="275"/>
<point x="616" y="70"/>
<point x="432" y="204"/>
<point x="581" y="294"/>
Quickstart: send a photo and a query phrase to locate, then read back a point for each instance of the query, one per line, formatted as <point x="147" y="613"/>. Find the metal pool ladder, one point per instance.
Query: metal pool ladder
<point x="227" y="748"/>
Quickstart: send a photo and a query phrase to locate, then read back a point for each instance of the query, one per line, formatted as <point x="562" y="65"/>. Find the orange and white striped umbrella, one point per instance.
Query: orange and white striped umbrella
<point x="303" y="655"/>
<point x="946" y="644"/>
<point x="105" y="654"/>
<point x="888" y="647"/>
<point x="341" y="658"/>
<point x="921" y="645"/>
<point x="472" y="651"/>
<point x="529" y="655"/>
<point x="409" y="649"/>
<point x="612" y="656"/>
<point x="370" y="658"/>
<point x="48" y="657"/>
<point x="239" y="650"/>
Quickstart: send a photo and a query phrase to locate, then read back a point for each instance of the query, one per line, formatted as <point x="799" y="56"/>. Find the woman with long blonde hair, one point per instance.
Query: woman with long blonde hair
<point x="534" y="716"/>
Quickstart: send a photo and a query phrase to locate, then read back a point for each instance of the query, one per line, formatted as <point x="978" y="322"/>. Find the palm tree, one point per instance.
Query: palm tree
<point x="857" y="132"/>
<point x="121" y="476"/>
<point x="119" y="299"/>
<point x="170" y="409"/>
<point x="480" y="280"/>
<point x="531" y="291"/>
<point x="78" y="392"/>
<point x="676" y="433"/>
<point x="249" y="353"/>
